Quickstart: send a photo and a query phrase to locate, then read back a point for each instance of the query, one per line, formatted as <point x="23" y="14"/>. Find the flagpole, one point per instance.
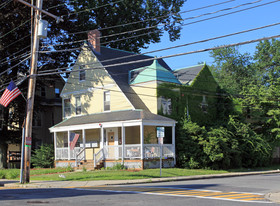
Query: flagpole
<point x="22" y="153"/>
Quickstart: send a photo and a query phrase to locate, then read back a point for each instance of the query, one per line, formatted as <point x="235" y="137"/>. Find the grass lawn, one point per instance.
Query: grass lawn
<point x="55" y="174"/>
<point x="125" y="175"/>
<point x="66" y="173"/>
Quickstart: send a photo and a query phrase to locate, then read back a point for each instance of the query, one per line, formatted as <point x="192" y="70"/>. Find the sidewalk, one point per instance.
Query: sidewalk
<point x="274" y="197"/>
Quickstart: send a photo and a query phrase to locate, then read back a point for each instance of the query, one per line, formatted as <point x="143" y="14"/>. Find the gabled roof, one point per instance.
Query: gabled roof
<point x="120" y="72"/>
<point x="187" y="75"/>
<point x="153" y="72"/>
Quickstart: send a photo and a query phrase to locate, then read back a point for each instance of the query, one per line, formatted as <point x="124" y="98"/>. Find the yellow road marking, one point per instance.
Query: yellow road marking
<point x="198" y="193"/>
<point x="233" y="195"/>
<point x="252" y="199"/>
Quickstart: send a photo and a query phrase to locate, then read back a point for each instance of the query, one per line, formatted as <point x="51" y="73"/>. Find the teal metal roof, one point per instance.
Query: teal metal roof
<point x="151" y="73"/>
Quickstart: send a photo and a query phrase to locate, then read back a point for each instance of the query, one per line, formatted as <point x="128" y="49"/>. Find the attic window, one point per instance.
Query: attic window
<point x="166" y="106"/>
<point x="107" y="101"/>
<point x="82" y="73"/>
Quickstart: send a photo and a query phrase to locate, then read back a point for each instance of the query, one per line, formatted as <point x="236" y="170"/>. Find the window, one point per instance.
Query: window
<point x="107" y="101"/>
<point x="166" y="106"/>
<point x="67" y="107"/>
<point x="78" y="106"/>
<point x="82" y="73"/>
<point x="57" y="92"/>
<point x="204" y="104"/>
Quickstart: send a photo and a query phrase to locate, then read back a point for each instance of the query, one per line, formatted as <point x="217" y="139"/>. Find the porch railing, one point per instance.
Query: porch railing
<point x="153" y="151"/>
<point x="62" y="153"/>
<point x="131" y="151"/>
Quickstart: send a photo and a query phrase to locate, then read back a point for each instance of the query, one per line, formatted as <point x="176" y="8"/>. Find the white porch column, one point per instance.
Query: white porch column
<point x="173" y="142"/>
<point x="68" y="145"/>
<point x="84" y="142"/>
<point x="142" y="139"/>
<point x="54" y="141"/>
<point x="102" y="137"/>
<point x="123" y="142"/>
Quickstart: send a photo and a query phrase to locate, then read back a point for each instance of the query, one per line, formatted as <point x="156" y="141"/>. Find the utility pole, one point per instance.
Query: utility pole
<point x="27" y="139"/>
<point x="30" y="96"/>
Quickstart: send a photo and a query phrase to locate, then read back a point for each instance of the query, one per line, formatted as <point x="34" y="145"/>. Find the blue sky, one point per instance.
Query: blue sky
<point x="256" y="17"/>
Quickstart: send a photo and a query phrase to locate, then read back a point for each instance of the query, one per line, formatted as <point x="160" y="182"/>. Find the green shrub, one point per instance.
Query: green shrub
<point x="43" y="157"/>
<point x="117" y="166"/>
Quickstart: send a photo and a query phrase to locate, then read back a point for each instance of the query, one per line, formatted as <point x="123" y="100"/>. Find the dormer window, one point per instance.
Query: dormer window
<point x="82" y="73"/>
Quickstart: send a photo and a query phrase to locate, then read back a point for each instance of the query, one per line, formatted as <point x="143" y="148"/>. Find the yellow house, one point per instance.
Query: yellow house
<point x="110" y="100"/>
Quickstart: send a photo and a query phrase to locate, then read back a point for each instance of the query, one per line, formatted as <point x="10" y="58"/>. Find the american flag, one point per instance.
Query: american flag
<point x="10" y="93"/>
<point x="73" y="140"/>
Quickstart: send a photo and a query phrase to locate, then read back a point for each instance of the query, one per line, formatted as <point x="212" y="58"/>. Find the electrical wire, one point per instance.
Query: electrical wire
<point x="163" y="57"/>
<point x="154" y="18"/>
<point x="136" y="30"/>
<point x="210" y="13"/>
<point x="5" y="4"/>
<point x="15" y="65"/>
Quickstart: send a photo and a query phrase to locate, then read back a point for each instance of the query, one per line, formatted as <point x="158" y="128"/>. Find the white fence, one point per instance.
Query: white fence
<point x="132" y="151"/>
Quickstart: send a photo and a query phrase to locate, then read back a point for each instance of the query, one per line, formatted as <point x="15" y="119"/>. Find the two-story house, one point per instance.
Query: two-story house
<point x="110" y="100"/>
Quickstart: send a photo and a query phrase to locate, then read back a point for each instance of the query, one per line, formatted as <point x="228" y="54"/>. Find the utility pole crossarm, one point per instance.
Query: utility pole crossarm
<point x="58" y="19"/>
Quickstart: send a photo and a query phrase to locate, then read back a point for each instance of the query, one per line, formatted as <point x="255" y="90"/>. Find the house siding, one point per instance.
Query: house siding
<point x="91" y="90"/>
<point x="147" y="92"/>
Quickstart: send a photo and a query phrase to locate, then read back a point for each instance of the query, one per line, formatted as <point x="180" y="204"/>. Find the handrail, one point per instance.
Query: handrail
<point x="77" y="155"/>
<point x="96" y="161"/>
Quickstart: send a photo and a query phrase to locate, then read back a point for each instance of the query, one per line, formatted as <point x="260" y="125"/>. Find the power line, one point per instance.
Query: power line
<point x="15" y="41"/>
<point x="5" y="4"/>
<point x="201" y="41"/>
<point x="14" y="29"/>
<point x="163" y="57"/>
<point x="12" y="55"/>
<point x="136" y="30"/>
<point x="15" y="65"/>
<point x="14" y="59"/>
<point x="121" y="25"/>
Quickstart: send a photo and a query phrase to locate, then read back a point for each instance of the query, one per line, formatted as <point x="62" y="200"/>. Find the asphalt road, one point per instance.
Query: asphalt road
<point x="246" y="190"/>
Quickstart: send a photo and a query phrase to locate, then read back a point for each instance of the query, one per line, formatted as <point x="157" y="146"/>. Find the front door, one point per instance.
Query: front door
<point x="111" y="138"/>
<point x="112" y="142"/>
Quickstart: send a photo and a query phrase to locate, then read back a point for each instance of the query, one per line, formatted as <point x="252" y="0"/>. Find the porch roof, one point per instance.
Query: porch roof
<point x="114" y="116"/>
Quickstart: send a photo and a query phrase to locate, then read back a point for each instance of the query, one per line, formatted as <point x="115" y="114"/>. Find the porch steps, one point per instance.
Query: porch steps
<point x="89" y="165"/>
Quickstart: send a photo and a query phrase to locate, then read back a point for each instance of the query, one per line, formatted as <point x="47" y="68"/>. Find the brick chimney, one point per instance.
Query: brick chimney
<point x="94" y="39"/>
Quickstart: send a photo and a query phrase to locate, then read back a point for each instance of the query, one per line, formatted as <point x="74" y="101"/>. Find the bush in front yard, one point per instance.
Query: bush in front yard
<point x="43" y="157"/>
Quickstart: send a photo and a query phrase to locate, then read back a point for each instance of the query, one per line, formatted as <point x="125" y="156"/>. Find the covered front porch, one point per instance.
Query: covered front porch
<point x="132" y="142"/>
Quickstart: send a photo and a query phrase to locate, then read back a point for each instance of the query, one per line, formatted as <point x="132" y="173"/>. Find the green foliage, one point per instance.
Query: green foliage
<point x="201" y="99"/>
<point x="233" y="146"/>
<point x="43" y="157"/>
<point x="117" y="166"/>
